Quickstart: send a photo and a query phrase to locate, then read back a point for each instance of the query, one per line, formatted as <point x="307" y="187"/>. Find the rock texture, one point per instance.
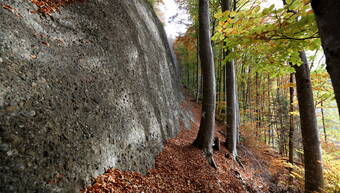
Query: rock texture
<point x="91" y="87"/>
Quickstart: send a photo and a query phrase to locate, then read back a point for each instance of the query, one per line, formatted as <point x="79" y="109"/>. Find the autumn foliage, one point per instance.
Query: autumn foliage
<point x="50" y="6"/>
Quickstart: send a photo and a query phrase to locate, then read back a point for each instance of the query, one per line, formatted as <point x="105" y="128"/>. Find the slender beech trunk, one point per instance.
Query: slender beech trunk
<point x="188" y="77"/>
<point x="269" y="110"/>
<point x="272" y="135"/>
<point x="323" y="122"/>
<point x="201" y="84"/>
<point x="257" y="101"/>
<point x="206" y="131"/>
<point x="259" y="125"/>
<point x="218" y="78"/>
<point x="248" y="94"/>
<point x="217" y="68"/>
<point x="310" y="133"/>
<point x="232" y="103"/>
<point x="213" y="25"/>
<point x="243" y="86"/>
<point x="193" y="73"/>
<point x="221" y="83"/>
<point x="280" y="112"/>
<point x="263" y="121"/>
<point x="231" y="110"/>
<point x="327" y="17"/>
<point x="197" y="66"/>
<point x="291" y="120"/>
<point x="221" y="80"/>
<point x="225" y="92"/>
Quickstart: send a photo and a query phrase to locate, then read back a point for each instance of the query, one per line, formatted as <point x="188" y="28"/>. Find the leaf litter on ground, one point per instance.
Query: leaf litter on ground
<point x="180" y="167"/>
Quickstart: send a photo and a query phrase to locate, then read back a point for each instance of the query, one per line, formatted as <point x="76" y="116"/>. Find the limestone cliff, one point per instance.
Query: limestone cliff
<point x="91" y="87"/>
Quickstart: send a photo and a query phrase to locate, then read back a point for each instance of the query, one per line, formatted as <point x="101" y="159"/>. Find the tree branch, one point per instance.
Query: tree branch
<point x="291" y="38"/>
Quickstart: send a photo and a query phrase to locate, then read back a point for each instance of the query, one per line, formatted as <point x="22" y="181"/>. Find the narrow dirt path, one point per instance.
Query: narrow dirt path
<point x="183" y="168"/>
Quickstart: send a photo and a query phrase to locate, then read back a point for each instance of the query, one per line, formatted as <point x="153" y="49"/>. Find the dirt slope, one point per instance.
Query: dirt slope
<point x="183" y="168"/>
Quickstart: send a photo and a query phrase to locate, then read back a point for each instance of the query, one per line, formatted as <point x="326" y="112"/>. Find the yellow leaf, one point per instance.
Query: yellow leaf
<point x="234" y="31"/>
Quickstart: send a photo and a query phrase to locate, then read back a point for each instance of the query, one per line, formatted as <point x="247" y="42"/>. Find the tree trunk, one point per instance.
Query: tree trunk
<point x="243" y="87"/>
<point x="218" y="80"/>
<point x="248" y="94"/>
<point x="201" y="84"/>
<point x="221" y="80"/>
<point x="193" y="73"/>
<point x="206" y="131"/>
<point x="197" y="66"/>
<point x="257" y="100"/>
<point x="225" y="92"/>
<point x="310" y="133"/>
<point x="323" y="122"/>
<point x="232" y="102"/>
<point x="188" y="77"/>
<point x="291" y="120"/>
<point x="269" y="110"/>
<point x="327" y="17"/>
<point x="262" y="118"/>
<point x="231" y="139"/>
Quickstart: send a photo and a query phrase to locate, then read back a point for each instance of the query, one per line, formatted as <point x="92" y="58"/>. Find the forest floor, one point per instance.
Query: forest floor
<point x="183" y="168"/>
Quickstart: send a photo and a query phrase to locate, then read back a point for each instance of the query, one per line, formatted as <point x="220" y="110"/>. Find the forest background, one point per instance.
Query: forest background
<point x="265" y="39"/>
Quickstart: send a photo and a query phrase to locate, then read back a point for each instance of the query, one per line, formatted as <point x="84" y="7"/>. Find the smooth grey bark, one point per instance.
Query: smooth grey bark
<point x="323" y="122"/>
<point x="243" y="87"/>
<point x="225" y="92"/>
<point x="280" y="112"/>
<point x="188" y="77"/>
<point x="269" y="109"/>
<point x="257" y="101"/>
<point x="197" y="78"/>
<point x="232" y="124"/>
<point x="193" y="79"/>
<point x="233" y="113"/>
<point x="220" y="80"/>
<point x="309" y="130"/>
<point x="310" y="133"/>
<point x="197" y="66"/>
<point x="327" y="16"/>
<point x="248" y="93"/>
<point x="204" y="139"/>
<point x="237" y="106"/>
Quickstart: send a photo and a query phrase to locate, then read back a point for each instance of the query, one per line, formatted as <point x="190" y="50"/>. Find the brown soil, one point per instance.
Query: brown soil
<point x="50" y="6"/>
<point x="183" y="168"/>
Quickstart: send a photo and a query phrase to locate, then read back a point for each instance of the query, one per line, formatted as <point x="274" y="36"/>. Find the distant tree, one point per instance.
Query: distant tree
<point x="327" y="17"/>
<point x="206" y="131"/>
<point x="291" y="119"/>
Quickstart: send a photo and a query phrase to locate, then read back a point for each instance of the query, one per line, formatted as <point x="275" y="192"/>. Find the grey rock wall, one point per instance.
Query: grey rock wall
<point x="83" y="90"/>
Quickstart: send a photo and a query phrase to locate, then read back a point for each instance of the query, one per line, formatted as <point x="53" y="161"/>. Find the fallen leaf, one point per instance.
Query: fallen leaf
<point x="8" y="7"/>
<point x="46" y="44"/>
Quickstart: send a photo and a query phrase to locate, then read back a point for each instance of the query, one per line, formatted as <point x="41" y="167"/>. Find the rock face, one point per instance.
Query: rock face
<point x="91" y="87"/>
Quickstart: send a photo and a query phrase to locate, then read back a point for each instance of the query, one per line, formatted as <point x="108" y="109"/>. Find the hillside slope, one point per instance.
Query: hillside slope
<point x="182" y="168"/>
